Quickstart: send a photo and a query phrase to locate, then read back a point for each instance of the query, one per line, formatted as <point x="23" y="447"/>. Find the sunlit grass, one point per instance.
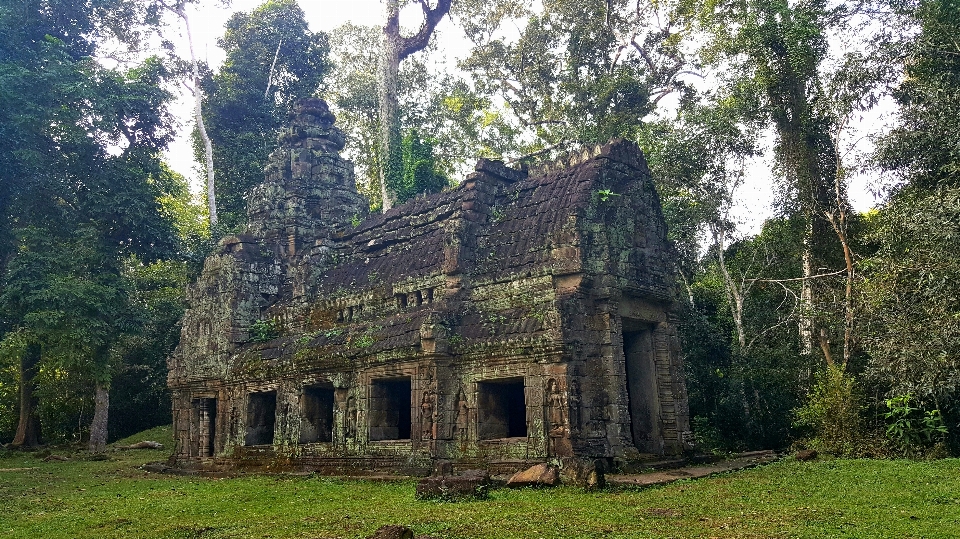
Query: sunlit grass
<point x="831" y="498"/>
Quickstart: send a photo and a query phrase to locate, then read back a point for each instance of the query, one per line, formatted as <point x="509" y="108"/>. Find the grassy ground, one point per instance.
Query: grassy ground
<point x="831" y="498"/>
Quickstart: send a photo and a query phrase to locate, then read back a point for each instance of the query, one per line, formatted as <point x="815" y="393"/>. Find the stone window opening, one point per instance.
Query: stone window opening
<point x="261" y="417"/>
<point x="418" y="298"/>
<point x="389" y="409"/>
<point x="429" y="298"/>
<point x="401" y="301"/>
<point x="316" y="414"/>
<point x="501" y="408"/>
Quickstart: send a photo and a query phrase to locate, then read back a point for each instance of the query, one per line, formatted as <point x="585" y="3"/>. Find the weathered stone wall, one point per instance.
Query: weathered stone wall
<point x="516" y="318"/>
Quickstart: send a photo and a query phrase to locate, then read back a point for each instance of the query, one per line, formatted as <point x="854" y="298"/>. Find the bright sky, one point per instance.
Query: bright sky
<point x="207" y="21"/>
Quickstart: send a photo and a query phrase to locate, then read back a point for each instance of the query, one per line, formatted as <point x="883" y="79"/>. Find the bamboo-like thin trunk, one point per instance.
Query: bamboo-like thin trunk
<point x="273" y="67"/>
<point x="734" y="297"/>
<point x="839" y="224"/>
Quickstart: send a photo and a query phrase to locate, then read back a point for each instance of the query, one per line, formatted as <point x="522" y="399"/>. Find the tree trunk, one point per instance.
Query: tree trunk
<point x="198" y="116"/>
<point x="733" y="291"/>
<point x="98" y="428"/>
<point x="390" y="159"/>
<point x="395" y="49"/>
<point x="28" y="429"/>
<point x="806" y="293"/>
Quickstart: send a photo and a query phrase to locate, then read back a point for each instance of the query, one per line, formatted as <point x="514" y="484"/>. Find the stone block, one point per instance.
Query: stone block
<point x="539" y="475"/>
<point x="586" y="473"/>
<point x="470" y="485"/>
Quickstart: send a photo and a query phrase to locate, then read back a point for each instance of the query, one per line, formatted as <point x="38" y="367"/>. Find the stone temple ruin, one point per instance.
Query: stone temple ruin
<point x="518" y="318"/>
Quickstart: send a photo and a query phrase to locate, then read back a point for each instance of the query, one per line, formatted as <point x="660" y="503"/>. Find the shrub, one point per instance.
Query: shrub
<point x="914" y="431"/>
<point x="833" y="415"/>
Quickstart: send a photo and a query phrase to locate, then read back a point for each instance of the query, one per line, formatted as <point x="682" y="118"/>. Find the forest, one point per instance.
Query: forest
<point x="827" y="327"/>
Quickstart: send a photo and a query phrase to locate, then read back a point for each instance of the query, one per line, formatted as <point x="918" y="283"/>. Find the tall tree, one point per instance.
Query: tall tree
<point x="179" y="9"/>
<point x="395" y="49"/>
<point x="579" y="72"/>
<point x="911" y="288"/>
<point x="83" y="142"/>
<point x="778" y="49"/>
<point x="461" y="124"/>
<point x="272" y="59"/>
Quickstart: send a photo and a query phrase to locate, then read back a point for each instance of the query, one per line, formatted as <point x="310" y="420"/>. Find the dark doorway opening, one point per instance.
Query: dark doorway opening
<point x="502" y="410"/>
<point x="641" y="370"/>
<point x="316" y="414"/>
<point x="390" y="409"/>
<point x="261" y="417"/>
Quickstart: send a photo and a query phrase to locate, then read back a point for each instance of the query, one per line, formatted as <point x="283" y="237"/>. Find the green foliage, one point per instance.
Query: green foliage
<point x="363" y="341"/>
<point x="264" y="330"/>
<point x="138" y="393"/>
<point x="462" y="124"/>
<point x="248" y="99"/>
<point x="65" y="398"/>
<point x="81" y="186"/>
<point x="833" y="414"/>
<point x="912" y="428"/>
<point x="569" y="76"/>
<point x="12" y="345"/>
<point x="912" y="295"/>
<point x="911" y="292"/>
<point x="605" y="194"/>
<point x="696" y="161"/>
<point x="743" y="398"/>
<point x="929" y="99"/>
<point x="418" y="174"/>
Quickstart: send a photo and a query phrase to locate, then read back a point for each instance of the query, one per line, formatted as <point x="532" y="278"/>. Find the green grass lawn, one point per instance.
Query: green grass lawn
<point x="828" y="498"/>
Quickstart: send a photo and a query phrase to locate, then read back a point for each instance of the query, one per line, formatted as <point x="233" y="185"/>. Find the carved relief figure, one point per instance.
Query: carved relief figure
<point x="557" y="424"/>
<point x="428" y="407"/>
<point x="555" y="406"/>
<point x="599" y="415"/>
<point x="463" y="415"/>
<point x="352" y="415"/>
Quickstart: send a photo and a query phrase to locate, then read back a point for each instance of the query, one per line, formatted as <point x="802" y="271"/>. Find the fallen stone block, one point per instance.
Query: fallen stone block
<point x="473" y="484"/>
<point x="540" y="475"/>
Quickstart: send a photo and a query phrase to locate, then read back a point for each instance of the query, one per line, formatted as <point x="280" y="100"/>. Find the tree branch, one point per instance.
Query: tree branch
<point x="432" y="17"/>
